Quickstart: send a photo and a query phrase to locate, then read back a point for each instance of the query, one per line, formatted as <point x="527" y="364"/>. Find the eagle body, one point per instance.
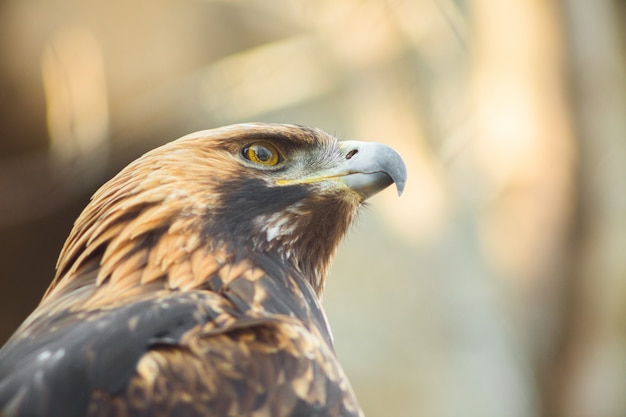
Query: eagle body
<point x="190" y="284"/>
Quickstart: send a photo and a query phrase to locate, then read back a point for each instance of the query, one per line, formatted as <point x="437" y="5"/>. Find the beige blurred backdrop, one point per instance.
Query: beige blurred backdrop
<point x="494" y="287"/>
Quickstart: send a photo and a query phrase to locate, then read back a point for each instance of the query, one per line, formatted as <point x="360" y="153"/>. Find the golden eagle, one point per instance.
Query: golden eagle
<point x="190" y="284"/>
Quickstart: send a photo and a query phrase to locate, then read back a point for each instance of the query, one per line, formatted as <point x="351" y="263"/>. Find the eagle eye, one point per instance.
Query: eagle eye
<point x="263" y="153"/>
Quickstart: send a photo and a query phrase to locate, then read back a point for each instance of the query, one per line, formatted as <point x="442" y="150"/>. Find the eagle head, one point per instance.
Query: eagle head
<point x="248" y="191"/>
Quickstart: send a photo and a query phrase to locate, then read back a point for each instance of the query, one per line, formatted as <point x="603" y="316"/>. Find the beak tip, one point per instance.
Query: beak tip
<point x="399" y="181"/>
<point x="399" y="175"/>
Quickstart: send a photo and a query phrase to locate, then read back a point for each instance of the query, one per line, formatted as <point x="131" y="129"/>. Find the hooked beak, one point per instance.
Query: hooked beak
<point x="365" y="167"/>
<point x="370" y="167"/>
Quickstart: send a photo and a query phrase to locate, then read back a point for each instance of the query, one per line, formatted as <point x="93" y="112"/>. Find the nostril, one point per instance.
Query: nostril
<point x="352" y="153"/>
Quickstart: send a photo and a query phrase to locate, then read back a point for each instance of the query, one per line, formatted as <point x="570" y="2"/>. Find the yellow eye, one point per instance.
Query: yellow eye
<point x="263" y="153"/>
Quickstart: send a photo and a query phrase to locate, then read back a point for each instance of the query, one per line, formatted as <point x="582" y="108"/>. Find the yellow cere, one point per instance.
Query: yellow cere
<point x="307" y="180"/>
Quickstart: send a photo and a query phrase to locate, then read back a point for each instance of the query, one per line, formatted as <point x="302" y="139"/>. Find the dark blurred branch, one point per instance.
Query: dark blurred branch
<point x="591" y="378"/>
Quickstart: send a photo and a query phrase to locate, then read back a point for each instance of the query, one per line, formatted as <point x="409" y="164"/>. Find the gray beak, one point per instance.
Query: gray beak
<point x="370" y="167"/>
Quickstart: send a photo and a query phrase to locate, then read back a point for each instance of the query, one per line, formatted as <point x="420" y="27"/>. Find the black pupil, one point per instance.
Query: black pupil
<point x="262" y="153"/>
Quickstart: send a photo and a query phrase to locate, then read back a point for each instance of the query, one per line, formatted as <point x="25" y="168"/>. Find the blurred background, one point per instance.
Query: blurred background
<point x="495" y="286"/>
